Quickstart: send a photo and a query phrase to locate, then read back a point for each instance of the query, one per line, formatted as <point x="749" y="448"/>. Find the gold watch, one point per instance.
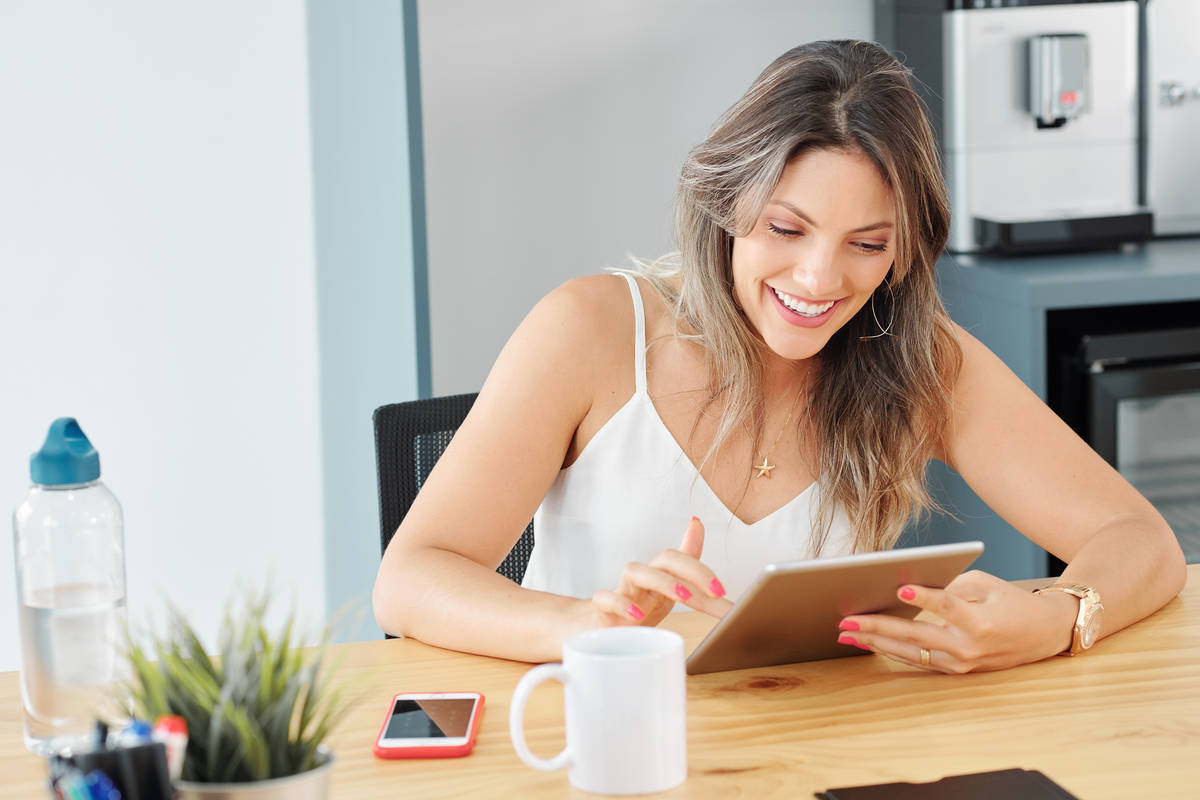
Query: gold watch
<point x="1087" y="624"/>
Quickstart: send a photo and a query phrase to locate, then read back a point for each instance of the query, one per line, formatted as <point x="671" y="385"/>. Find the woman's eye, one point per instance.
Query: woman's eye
<point x="788" y="233"/>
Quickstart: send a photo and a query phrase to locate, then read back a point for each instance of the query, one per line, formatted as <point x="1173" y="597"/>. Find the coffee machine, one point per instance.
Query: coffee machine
<point x="1036" y="106"/>
<point x="1171" y="115"/>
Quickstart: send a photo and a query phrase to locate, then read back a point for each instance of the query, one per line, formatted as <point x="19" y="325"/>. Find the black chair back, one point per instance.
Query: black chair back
<point x="409" y="439"/>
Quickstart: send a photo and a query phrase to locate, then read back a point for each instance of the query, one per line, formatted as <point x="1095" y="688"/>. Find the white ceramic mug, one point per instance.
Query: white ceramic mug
<point x="626" y="709"/>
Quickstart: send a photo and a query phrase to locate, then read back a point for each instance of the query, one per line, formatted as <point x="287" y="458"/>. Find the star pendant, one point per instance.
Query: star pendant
<point x="764" y="469"/>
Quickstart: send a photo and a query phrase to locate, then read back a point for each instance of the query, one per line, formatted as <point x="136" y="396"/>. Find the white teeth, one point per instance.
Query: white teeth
<point x="800" y="307"/>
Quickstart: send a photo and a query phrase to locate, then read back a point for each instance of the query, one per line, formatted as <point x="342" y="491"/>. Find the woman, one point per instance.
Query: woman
<point x="791" y="372"/>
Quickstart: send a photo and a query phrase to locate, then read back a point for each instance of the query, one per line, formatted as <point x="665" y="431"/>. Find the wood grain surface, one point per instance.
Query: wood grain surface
<point x="1122" y="721"/>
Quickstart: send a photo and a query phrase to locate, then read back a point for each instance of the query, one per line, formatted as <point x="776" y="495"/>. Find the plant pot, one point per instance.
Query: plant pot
<point x="311" y="785"/>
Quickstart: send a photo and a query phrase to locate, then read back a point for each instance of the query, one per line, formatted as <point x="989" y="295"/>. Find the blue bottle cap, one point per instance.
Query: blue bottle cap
<point x="137" y="731"/>
<point x="67" y="456"/>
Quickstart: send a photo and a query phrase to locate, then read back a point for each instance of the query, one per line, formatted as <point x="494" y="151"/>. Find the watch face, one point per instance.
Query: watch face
<point x="1090" y="629"/>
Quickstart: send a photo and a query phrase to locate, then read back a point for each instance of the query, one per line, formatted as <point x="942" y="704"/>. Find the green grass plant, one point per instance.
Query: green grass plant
<point x="258" y="711"/>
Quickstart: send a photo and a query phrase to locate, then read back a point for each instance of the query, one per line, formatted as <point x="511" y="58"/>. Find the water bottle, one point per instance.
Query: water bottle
<point x="70" y="559"/>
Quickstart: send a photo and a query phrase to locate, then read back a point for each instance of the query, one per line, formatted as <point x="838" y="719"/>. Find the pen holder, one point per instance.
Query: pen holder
<point x="139" y="772"/>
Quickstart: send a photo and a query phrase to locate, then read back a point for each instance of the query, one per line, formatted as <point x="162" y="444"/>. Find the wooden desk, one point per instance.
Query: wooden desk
<point x="1121" y="722"/>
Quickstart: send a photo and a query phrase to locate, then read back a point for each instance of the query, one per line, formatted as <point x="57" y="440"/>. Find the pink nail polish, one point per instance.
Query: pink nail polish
<point x="695" y="519"/>
<point x="682" y="593"/>
<point x="717" y="588"/>
<point x="907" y="593"/>
<point x="848" y="625"/>
<point x="848" y="640"/>
<point x="635" y="612"/>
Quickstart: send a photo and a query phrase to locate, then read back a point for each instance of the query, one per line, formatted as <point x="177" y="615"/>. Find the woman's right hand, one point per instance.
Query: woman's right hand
<point x="647" y="592"/>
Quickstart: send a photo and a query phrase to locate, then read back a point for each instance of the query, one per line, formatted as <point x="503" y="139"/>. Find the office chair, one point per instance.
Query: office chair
<point x="409" y="439"/>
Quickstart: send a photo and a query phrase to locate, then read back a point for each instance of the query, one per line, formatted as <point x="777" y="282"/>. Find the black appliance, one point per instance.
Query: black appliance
<point x="1127" y="379"/>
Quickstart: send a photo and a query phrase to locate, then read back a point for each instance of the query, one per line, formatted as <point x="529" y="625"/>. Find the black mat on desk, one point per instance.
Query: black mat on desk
<point x="1002" y="785"/>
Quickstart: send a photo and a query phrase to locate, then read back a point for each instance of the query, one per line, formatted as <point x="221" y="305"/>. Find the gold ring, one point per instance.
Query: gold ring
<point x="924" y="657"/>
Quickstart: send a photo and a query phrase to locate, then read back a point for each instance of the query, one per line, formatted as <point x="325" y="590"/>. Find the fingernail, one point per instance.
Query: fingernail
<point x="681" y="592"/>
<point x="907" y="593"/>
<point x="695" y="519"/>
<point x="848" y="625"/>
<point x="848" y="640"/>
<point x="717" y="588"/>
<point x="635" y="612"/>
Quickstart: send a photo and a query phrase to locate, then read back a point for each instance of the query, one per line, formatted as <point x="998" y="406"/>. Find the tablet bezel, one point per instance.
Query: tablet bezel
<point x="815" y="595"/>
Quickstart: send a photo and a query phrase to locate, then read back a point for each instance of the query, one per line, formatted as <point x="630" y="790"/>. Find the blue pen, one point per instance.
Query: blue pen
<point x="99" y="787"/>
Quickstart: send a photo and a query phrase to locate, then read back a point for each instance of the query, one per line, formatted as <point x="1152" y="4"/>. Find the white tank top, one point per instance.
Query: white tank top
<point x="630" y="494"/>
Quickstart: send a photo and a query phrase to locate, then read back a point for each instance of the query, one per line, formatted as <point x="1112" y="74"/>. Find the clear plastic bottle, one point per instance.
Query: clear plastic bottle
<point x="69" y="553"/>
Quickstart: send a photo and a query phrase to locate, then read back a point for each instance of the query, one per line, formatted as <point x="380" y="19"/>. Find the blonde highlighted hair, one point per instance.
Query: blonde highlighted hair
<point x="875" y="406"/>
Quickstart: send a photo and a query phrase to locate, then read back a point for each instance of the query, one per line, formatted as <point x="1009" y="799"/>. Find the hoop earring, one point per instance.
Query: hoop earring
<point x="882" y="330"/>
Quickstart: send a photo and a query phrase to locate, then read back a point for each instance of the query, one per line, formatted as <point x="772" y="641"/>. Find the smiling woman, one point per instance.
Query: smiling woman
<point x="785" y="377"/>
<point x="821" y="185"/>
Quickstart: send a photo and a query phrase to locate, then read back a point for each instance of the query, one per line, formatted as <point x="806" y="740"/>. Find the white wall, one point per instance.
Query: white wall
<point x="554" y="133"/>
<point x="156" y="247"/>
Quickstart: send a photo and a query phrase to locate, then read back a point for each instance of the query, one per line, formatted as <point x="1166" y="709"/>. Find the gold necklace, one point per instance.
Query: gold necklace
<point x="764" y="469"/>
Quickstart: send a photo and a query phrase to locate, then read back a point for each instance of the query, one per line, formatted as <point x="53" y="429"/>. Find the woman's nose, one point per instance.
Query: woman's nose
<point x="817" y="272"/>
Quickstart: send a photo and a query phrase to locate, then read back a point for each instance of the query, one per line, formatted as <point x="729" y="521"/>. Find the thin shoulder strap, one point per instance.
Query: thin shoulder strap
<point x="639" y="334"/>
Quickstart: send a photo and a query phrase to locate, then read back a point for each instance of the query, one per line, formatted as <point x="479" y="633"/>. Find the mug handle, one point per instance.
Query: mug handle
<point x="516" y="716"/>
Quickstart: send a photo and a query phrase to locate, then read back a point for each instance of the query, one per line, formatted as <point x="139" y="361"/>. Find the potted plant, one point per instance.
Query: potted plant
<point x="257" y="715"/>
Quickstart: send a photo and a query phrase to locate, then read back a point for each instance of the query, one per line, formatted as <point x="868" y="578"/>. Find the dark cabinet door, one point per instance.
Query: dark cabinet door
<point x="1145" y="421"/>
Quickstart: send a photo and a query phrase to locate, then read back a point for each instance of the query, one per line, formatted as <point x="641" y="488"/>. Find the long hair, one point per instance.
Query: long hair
<point x="874" y="405"/>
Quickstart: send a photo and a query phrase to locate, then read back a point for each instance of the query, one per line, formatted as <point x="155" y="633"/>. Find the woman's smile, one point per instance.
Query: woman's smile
<point x="797" y="311"/>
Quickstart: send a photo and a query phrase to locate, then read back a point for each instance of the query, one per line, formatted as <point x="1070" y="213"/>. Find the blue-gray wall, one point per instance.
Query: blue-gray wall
<point x="369" y="267"/>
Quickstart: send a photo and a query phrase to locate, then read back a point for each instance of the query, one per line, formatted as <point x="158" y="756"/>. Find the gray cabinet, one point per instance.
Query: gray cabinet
<point x="1004" y="303"/>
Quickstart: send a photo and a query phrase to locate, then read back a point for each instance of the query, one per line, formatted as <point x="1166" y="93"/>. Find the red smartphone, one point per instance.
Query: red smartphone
<point x="430" y="725"/>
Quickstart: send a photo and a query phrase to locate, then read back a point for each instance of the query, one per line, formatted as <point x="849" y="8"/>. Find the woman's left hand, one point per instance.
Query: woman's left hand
<point x="989" y="624"/>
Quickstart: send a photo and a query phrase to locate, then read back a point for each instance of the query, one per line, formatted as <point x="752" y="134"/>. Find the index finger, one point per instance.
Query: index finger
<point x="691" y="569"/>
<point x="693" y="538"/>
<point x="647" y="578"/>
<point x="944" y="604"/>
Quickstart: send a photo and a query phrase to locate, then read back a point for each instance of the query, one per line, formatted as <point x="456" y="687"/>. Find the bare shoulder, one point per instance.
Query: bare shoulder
<point x="980" y="366"/>
<point x="989" y="399"/>
<point x="586" y="315"/>
<point x="590" y="303"/>
<point x="965" y="339"/>
<point x="571" y="344"/>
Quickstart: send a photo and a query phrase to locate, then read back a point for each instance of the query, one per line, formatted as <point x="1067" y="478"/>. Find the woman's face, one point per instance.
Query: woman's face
<point x="819" y="249"/>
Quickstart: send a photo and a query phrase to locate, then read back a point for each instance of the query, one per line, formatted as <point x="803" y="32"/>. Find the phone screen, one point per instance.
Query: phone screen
<point x="429" y="718"/>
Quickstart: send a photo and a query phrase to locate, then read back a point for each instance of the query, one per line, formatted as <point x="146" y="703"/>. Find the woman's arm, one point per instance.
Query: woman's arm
<point x="1032" y="469"/>
<point x="437" y="580"/>
<point x="571" y="356"/>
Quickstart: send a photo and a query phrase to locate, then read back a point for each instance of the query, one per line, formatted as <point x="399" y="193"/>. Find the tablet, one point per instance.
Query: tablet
<point x="792" y="610"/>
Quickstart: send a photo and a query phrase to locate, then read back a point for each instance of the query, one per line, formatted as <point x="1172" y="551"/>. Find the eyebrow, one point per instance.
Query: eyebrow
<point x="875" y="226"/>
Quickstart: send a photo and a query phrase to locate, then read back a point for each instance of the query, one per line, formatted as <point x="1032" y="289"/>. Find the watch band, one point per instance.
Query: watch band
<point x="1089" y="609"/>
